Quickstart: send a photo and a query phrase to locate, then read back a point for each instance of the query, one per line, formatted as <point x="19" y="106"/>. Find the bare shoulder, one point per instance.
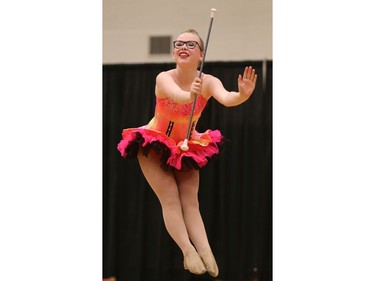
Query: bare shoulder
<point x="164" y="76"/>
<point x="211" y="82"/>
<point x="210" y="79"/>
<point x="164" y="83"/>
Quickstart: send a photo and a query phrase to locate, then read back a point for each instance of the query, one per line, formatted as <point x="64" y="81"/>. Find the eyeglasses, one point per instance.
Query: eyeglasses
<point x="178" y="44"/>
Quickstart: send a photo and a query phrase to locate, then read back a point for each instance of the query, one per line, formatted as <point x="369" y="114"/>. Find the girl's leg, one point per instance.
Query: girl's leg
<point x="188" y="185"/>
<point x="165" y="187"/>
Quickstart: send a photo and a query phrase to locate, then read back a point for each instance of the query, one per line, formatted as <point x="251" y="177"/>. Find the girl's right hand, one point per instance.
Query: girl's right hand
<point x="196" y="86"/>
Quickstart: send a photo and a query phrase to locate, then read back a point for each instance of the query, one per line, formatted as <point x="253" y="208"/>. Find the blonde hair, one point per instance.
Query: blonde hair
<point x="193" y="31"/>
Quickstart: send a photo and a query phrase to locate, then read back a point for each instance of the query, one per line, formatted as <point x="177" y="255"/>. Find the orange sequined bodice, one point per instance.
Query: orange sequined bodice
<point x="172" y="118"/>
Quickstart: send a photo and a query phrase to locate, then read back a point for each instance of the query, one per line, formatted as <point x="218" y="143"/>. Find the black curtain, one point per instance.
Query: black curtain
<point x="235" y="190"/>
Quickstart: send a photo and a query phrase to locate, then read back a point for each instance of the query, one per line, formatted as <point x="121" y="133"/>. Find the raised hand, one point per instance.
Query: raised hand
<point x="247" y="82"/>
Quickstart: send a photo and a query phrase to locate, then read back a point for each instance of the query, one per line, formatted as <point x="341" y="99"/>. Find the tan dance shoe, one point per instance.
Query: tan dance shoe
<point x="194" y="263"/>
<point x="210" y="263"/>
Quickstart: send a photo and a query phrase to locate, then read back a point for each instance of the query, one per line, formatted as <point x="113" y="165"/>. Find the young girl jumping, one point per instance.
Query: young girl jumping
<point x="172" y="173"/>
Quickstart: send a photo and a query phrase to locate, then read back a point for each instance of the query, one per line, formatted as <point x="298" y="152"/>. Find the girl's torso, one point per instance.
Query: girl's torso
<point x="172" y="118"/>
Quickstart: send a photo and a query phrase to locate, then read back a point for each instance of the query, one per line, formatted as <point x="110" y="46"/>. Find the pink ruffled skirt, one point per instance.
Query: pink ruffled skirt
<point x="202" y="147"/>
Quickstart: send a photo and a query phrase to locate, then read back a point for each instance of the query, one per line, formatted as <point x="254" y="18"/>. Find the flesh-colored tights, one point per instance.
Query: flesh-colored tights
<point x="178" y="195"/>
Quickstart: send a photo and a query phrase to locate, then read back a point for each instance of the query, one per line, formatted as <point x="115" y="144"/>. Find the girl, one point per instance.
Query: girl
<point x="172" y="173"/>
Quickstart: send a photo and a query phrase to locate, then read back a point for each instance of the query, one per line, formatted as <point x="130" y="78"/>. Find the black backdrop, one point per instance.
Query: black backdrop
<point x="235" y="191"/>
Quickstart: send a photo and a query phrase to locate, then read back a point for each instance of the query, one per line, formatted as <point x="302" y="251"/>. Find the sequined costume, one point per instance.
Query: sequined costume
<point x="166" y="132"/>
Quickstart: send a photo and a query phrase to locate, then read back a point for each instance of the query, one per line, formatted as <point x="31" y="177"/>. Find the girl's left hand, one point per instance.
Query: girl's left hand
<point x="246" y="84"/>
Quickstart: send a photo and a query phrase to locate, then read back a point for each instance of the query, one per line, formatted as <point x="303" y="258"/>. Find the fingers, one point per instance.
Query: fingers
<point x="249" y="73"/>
<point x="246" y="72"/>
<point x="196" y="86"/>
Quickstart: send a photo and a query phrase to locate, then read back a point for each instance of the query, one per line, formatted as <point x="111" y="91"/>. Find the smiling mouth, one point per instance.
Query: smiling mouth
<point x="183" y="55"/>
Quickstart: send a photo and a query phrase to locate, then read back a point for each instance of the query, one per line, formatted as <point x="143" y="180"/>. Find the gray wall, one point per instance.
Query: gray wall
<point x="242" y="29"/>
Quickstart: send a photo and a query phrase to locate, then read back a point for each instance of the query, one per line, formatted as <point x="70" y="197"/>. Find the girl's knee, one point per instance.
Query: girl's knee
<point x="189" y="202"/>
<point x="170" y="203"/>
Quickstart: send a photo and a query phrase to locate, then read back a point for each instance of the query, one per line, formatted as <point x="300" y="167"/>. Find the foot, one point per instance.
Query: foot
<point x="193" y="263"/>
<point x="210" y="263"/>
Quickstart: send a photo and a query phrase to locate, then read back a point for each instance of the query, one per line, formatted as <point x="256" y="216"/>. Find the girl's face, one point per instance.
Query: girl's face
<point x="186" y="49"/>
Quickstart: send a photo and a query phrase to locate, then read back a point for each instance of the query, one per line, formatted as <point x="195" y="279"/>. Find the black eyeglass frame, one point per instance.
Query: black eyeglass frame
<point x="186" y="43"/>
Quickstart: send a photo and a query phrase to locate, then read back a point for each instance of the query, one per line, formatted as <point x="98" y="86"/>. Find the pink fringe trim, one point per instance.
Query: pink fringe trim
<point x="201" y="148"/>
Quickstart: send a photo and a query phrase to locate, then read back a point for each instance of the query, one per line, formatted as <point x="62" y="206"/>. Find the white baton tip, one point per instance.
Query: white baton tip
<point x="185" y="146"/>
<point x="213" y="11"/>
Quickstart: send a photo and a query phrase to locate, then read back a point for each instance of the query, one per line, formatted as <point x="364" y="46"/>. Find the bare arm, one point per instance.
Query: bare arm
<point x="246" y="86"/>
<point x="166" y="87"/>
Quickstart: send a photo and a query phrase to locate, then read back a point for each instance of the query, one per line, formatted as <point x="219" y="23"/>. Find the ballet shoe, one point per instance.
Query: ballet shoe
<point x="193" y="263"/>
<point x="210" y="263"/>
